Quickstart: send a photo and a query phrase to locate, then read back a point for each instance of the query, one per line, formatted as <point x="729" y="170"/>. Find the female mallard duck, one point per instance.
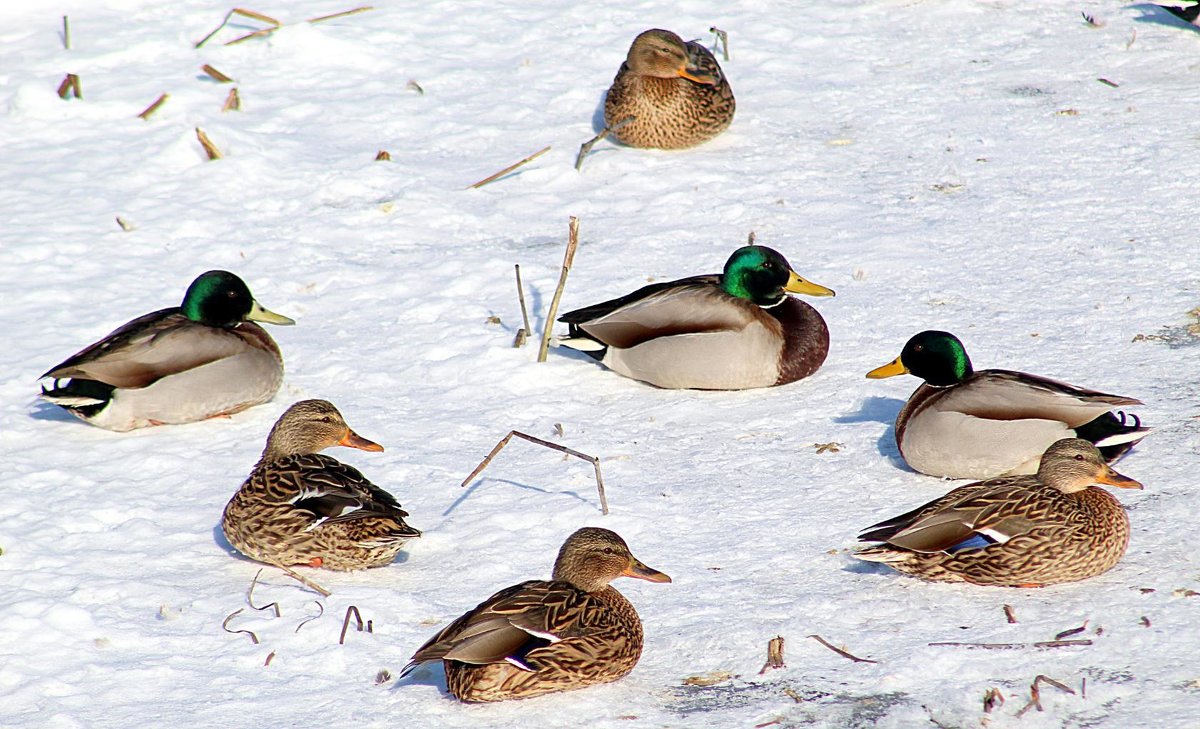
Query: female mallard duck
<point x="675" y="92"/>
<point x="302" y="508"/>
<point x="199" y="360"/>
<point x="731" y="331"/>
<point x="1019" y="531"/>
<point x="966" y="424"/>
<point x="539" y="637"/>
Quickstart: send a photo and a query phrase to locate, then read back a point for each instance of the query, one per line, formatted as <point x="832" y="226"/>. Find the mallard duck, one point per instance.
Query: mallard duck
<point x="202" y="359"/>
<point x="1189" y="14"/>
<point x="540" y="637"/>
<point x="302" y="508"/>
<point x="1017" y="531"/>
<point x="675" y="92"/>
<point x="731" y="331"/>
<point x="966" y="424"/>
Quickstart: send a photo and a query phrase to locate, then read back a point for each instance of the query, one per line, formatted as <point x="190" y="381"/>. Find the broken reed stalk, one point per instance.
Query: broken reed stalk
<point x="303" y="580"/>
<point x="70" y="87"/>
<point x="586" y="147"/>
<point x="1035" y="694"/>
<point x="209" y="148"/>
<point x="216" y="75"/>
<point x="993" y="699"/>
<point x="244" y="13"/>
<point x="839" y="651"/>
<point x="1015" y="646"/>
<point x="231" y="616"/>
<point x="568" y="258"/>
<point x="145" y="115"/>
<point x="342" y="14"/>
<point x="306" y="621"/>
<point x="1072" y="631"/>
<point x="774" y="655"/>
<point x="1009" y="615"/>
<point x="66" y="33"/>
<point x="250" y="596"/>
<point x="510" y="168"/>
<point x="522" y="335"/>
<point x="383" y="156"/>
<point x="554" y="446"/>
<point x="722" y="40"/>
<point x="233" y="102"/>
<point x="353" y="609"/>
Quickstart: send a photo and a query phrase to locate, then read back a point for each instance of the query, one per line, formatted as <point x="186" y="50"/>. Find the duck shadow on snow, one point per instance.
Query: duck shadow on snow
<point x="483" y="480"/>
<point x="880" y="410"/>
<point x="43" y="410"/>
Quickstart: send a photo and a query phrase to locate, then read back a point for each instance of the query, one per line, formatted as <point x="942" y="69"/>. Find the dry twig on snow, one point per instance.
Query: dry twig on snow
<point x="587" y="146"/>
<point x="840" y="651"/>
<point x="562" y="449"/>
<point x="510" y="168"/>
<point x="568" y="259"/>
<point x="774" y="655"/>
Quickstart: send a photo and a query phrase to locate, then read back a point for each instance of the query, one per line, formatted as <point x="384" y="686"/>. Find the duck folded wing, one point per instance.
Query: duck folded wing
<point x="149" y="348"/>
<point x="992" y="516"/>
<point x="1008" y="395"/>
<point x="334" y="492"/>
<point x="694" y="307"/>
<point x="508" y="625"/>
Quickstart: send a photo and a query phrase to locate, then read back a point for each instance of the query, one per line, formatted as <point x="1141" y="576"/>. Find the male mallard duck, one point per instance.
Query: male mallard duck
<point x="675" y="91"/>
<point x="731" y="331"/>
<point x="1018" y="531"/>
<point x="300" y="507"/>
<point x="966" y="424"/>
<point x="539" y="637"/>
<point x="199" y="360"/>
<point x="1189" y="14"/>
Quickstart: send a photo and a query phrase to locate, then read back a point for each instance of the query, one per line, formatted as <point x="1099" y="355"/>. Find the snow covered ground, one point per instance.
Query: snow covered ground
<point x="941" y="164"/>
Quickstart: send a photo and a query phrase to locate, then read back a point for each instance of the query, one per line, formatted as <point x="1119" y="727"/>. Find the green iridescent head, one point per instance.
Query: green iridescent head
<point x="939" y="358"/>
<point x="763" y="275"/>
<point x="221" y="299"/>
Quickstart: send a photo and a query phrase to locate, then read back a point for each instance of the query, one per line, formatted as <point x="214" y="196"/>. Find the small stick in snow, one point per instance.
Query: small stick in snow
<point x="750" y="239"/>
<point x="568" y="258"/>
<point x="774" y="655"/>
<point x="722" y="40"/>
<point x="1083" y="688"/>
<point x="66" y="33"/>
<point x="586" y="147"/>
<point x="412" y="84"/>
<point x="1132" y="38"/>
<point x="216" y="75"/>
<point x="993" y="699"/>
<point x="250" y="596"/>
<point x="383" y="156"/>
<point x="244" y="13"/>
<point x="125" y="224"/>
<point x="562" y="449"/>
<point x="1014" y="646"/>
<point x="1009" y="615"/>
<point x="145" y="115"/>
<point x="270" y="657"/>
<point x="231" y="616"/>
<point x="841" y="652"/>
<point x="342" y="14"/>
<point x="233" y="102"/>
<point x="70" y="87"/>
<point x="1072" y="631"/>
<point x="1092" y="22"/>
<point x="1145" y="621"/>
<point x="346" y="623"/>
<point x="1035" y="694"/>
<point x="303" y="580"/>
<point x="522" y="334"/>
<point x="510" y="168"/>
<point x="209" y="148"/>
<point x="306" y="621"/>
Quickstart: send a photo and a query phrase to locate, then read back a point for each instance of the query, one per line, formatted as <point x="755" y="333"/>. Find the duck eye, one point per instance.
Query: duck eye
<point x="919" y="348"/>
<point x="1079" y="456"/>
<point x="231" y="294"/>
<point x="327" y="419"/>
<point x="608" y="550"/>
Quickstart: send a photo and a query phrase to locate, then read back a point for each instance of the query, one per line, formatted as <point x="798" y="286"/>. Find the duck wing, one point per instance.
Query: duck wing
<point x="508" y="625"/>
<point x="330" y="490"/>
<point x="1009" y="395"/>
<point x="151" y="347"/>
<point x="689" y="306"/>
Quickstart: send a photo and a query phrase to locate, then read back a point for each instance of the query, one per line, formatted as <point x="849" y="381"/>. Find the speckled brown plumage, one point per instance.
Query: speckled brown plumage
<point x="540" y="637"/>
<point x="1017" y="531"/>
<point x="676" y="92"/>
<point x="301" y="507"/>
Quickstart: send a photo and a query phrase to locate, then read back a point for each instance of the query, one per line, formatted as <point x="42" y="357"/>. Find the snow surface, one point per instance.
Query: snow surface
<point x="942" y="164"/>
